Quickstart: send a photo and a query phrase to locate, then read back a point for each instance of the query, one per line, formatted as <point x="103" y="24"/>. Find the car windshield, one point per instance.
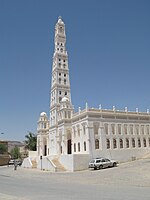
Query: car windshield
<point x="92" y="161"/>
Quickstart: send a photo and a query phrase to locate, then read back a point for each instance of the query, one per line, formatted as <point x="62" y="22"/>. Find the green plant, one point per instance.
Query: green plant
<point x="15" y="153"/>
<point x="3" y="148"/>
<point x="30" y="142"/>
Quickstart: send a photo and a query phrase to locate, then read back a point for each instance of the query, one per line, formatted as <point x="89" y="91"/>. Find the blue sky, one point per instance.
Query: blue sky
<point x="108" y="44"/>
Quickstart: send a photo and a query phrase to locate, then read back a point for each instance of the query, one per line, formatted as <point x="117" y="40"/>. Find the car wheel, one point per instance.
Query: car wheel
<point x="114" y="164"/>
<point x="101" y="167"/>
<point x="95" y="168"/>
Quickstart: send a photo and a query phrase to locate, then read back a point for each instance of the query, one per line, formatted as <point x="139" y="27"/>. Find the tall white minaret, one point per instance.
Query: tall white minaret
<point x="60" y="85"/>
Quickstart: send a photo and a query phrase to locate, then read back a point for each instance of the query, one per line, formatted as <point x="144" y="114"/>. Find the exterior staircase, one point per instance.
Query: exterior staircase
<point x="34" y="163"/>
<point x="59" y="166"/>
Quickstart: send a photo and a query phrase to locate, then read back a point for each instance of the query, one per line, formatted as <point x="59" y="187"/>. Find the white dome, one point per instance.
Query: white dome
<point x="43" y="114"/>
<point x="64" y="99"/>
<point x="60" y="20"/>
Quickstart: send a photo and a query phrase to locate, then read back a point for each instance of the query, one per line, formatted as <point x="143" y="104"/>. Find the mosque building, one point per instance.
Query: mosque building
<point x="69" y="140"/>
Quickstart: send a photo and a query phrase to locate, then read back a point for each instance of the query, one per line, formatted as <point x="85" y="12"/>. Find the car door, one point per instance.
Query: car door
<point x="98" y="163"/>
<point x="104" y="163"/>
<point x="108" y="163"/>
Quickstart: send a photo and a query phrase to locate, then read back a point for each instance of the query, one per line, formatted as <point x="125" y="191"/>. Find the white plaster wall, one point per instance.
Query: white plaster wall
<point x="81" y="161"/>
<point x="33" y="154"/>
<point x="45" y="164"/>
<point x="67" y="161"/>
<point x="27" y="163"/>
<point x="75" y="162"/>
<point x="121" y="155"/>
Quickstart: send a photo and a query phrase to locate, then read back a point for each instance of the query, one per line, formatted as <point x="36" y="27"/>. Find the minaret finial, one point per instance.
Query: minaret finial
<point x="60" y="20"/>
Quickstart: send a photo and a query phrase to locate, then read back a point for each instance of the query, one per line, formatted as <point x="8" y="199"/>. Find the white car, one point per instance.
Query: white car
<point x="100" y="163"/>
<point x="11" y="162"/>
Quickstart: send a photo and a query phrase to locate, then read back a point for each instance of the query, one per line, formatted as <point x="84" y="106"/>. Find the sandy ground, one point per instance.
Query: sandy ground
<point x="129" y="181"/>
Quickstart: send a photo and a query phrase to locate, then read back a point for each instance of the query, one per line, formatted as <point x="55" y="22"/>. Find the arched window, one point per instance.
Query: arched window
<point x="96" y="127"/>
<point x="113" y="128"/>
<point x="84" y="130"/>
<point x="59" y="80"/>
<point x="108" y="143"/>
<point x="144" y="142"/>
<point x="96" y="144"/>
<point x="69" y="114"/>
<point x="121" y="143"/>
<point x="74" y="147"/>
<point x="119" y="128"/>
<point x="142" y="129"/>
<point x="147" y="129"/>
<point x="133" y="142"/>
<point x="66" y="114"/>
<point x="60" y="98"/>
<point x="74" y="131"/>
<point x="61" y="29"/>
<point x="131" y="129"/>
<point x="84" y="146"/>
<point x="137" y="129"/>
<point x="106" y="128"/>
<point x="125" y="129"/>
<point x="79" y="146"/>
<point x="149" y="141"/>
<point x="65" y="81"/>
<point x="139" y="142"/>
<point x="44" y="125"/>
<point x="78" y="131"/>
<point x="114" y="143"/>
<point x="127" y="143"/>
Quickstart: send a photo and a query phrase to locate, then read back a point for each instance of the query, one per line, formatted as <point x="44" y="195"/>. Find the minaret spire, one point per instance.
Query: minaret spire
<point x="60" y="84"/>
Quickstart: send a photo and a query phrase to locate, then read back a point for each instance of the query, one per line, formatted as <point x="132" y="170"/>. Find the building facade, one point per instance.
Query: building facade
<point x="72" y="138"/>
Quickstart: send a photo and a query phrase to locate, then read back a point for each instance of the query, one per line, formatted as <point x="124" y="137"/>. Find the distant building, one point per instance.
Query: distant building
<point x="20" y="145"/>
<point x="70" y="138"/>
<point x="5" y="143"/>
<point x="13" y="144"/>
<point x="4" y="157"/>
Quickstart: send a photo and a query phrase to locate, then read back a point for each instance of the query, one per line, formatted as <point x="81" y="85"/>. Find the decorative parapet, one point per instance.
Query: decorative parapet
<point x="110" y="113"/>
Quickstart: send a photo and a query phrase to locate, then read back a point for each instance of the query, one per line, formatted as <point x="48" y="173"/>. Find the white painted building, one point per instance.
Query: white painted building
<point x="71" y="139"/>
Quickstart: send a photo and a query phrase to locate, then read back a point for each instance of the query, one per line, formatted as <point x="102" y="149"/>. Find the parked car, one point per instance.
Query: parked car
<point x="100" y="163"/>
<point x="11" y="162"/>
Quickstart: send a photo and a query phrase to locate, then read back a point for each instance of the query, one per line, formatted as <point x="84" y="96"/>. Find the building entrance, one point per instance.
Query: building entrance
<point x="69" y="146"/>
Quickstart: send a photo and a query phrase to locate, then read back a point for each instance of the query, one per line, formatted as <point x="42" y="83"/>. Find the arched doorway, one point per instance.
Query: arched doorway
<point x="69" y="145"/>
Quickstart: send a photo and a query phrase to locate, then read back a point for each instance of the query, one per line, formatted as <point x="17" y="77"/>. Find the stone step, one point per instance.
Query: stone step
<point x="59" y="166"/>
<point x="34" y="163"/>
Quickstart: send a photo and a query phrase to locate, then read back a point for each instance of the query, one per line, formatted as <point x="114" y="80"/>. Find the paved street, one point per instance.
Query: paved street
<point x="128" y="181"/>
